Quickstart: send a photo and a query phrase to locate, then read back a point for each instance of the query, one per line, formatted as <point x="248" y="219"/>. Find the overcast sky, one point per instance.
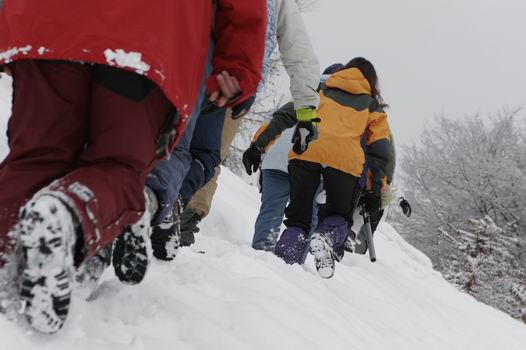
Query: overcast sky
<point x="455" y="57"/>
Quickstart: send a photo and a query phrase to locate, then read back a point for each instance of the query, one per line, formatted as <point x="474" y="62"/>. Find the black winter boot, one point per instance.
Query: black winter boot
<point x="165" y="237"/>
<point x="189" y="221"/>
<point x="130" y="253"/>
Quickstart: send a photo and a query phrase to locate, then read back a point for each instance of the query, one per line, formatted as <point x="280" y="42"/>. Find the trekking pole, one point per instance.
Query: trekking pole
<point x="369" y="234"/>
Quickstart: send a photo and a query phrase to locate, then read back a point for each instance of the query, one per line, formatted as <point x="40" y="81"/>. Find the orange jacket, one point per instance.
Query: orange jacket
<point x="347" y="111"/>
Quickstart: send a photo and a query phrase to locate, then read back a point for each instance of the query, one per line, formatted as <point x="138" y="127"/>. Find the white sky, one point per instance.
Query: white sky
<point x="455" y="57"/>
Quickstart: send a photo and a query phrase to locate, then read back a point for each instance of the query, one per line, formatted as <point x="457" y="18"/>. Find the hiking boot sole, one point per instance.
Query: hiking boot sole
<point x="130" y="257"/>
<point x="323" y="255"/>
<point x="46" y="282"/>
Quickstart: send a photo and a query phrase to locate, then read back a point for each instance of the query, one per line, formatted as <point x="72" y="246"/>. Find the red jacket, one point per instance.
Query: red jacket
<point x="167" y="41"/>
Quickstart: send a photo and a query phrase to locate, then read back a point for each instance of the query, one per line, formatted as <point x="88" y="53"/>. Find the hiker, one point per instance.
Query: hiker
<point x="287" y="31"/>
<point x="269" y="152"/>
<point x="98" y="98"/>
<point x="350" y="107"/>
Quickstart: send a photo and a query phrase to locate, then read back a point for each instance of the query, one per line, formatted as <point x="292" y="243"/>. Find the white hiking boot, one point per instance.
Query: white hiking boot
<point x="320" y="247"/>
<point x="48" y="236"/>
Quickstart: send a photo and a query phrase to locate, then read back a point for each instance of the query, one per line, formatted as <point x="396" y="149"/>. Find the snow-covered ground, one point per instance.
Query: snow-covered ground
<point x="232" y="297"/>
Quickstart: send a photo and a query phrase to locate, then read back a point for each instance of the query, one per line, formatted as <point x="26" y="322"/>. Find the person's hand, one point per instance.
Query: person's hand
<point x="406" y="207"/>
<point x="372" y="203"/>
<point x="252" y="159"/>
<point x="306" y="129"/>
<point x="229" y="90"/>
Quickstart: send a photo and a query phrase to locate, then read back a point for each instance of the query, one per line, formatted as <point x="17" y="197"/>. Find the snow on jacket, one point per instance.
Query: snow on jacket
<point x="347" y="112"/>
<point x="297" y="53"/>
<point x="167" y="41"/>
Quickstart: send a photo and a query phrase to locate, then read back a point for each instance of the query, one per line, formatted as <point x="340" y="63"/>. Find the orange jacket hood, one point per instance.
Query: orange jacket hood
<point x="350" y="80"/>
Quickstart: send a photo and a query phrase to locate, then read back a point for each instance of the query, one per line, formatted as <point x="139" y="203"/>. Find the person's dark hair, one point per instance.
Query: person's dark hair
<point x="368" y="71"/>
<point x="333" y="68"/>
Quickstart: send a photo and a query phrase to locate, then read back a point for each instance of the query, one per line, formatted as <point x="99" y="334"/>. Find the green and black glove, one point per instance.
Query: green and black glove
<point x="306" y="129"/>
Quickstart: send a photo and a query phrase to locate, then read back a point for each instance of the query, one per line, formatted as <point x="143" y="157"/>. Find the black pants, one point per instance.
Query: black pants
<point x="354" y="204"/>
<point x="304" y="181"/>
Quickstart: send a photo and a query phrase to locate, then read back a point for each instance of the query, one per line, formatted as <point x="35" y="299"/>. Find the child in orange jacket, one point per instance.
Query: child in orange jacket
<point x="350" y="107"/>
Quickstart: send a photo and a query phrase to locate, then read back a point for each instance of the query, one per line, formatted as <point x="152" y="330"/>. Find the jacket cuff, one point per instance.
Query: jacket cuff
<point x="306" y="114"/>
<point x="307" y="102"/>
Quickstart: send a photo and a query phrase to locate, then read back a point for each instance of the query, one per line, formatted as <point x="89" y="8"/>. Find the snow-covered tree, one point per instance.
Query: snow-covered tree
<point x="467" y="183"/>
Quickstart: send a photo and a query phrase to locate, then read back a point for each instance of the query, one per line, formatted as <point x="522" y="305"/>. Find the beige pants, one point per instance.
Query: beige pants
<point x="202" y="199"/>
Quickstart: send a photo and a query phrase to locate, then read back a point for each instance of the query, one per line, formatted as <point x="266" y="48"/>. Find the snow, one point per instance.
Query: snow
<point x="42" y="50"/>
<point x="8" y="54"/>
<point x="232" y="297"/>
<point x="125" y="59"/>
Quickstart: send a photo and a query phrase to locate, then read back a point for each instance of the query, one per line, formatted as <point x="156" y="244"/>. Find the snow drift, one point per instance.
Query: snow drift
<point x="221" y="294"/>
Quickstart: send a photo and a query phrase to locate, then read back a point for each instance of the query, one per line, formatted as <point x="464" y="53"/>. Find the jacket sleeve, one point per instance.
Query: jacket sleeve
<point x="297" y="54"/>
<point x="240" y="27"/>
<point x="282" y="119"/>
<point x="380" y="150"/>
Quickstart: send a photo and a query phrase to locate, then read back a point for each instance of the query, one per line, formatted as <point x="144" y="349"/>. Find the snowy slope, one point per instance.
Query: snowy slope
<point x="232" y="297"/>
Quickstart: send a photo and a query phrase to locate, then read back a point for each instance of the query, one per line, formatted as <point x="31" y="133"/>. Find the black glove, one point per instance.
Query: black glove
<point x="252" y="159"/>
<point x="372" y="203"/>
<point x="406" y="207"/>
<point x="305" y="133"/>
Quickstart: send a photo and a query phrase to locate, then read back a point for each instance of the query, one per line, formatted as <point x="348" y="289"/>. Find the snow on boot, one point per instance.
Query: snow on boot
<point x="328" y="240"/>
<point x="267" y="244"/>
<point x="48" y="236"/>
<point x="130" y="251"/>
<point x="291" y="245"/>
<point x="348" y="246"/>
<point x="165" y="237"/>
<point x="351" y="242"/>
<point x="94" y="268"/>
